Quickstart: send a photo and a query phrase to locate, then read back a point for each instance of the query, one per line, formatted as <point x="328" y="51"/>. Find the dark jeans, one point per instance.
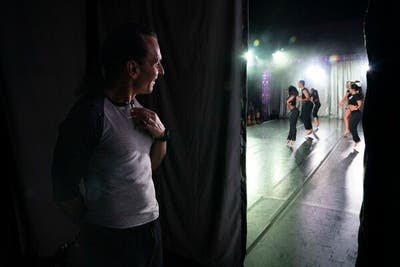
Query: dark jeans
<point x="317" y="105"/>
<point x="306" y="111"/>
<point x="293" y="116"/>
<point x="138" y="246"/>
<point x="355" y="118"/>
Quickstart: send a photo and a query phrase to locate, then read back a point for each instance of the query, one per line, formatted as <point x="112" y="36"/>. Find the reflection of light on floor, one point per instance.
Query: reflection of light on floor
<point x="252" y="165"/>
<point x="354" y="181"/>
<point x="256" y="173"/>
<point x="324" y="214"/>
<point x="277" y="173"/>
<point x="274" y="170"/>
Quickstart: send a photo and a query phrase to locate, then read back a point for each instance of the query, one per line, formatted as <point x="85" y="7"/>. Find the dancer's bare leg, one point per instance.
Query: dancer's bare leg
<point x="355" y="147"/>
<point x="308" y="132"/>
<point x="316" y="121"/>
<point x="346" y="119"/>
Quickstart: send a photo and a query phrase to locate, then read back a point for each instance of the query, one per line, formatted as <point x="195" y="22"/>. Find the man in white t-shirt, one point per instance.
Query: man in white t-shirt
<point x="112" y="144"/>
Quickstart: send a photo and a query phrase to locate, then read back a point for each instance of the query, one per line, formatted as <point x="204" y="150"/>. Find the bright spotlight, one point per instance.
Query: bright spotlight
<point x="365" y="68"/>
<point x="315" y="73"/>
<point x="248" y="55"/>
<point x="280" y="58"/>
<point x="256" y="42"/>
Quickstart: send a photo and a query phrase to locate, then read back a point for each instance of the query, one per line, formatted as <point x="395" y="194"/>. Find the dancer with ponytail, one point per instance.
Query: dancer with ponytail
<point x="355" y="103"/>
<point x="317" y="105"/>
<point x="293" y="115"/>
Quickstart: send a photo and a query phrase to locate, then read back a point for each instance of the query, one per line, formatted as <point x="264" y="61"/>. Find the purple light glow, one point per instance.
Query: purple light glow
<point x="265" y="96"/>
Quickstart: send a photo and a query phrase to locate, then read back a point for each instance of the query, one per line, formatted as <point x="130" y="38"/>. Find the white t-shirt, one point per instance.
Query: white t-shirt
<point x="119" y="189"/>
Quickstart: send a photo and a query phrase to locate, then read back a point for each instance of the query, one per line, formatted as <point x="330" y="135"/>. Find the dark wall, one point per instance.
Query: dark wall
<point x="47" y="47"/>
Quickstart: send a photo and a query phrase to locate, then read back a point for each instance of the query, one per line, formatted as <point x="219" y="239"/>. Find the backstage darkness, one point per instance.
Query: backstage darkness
<point x="233" y="189"/>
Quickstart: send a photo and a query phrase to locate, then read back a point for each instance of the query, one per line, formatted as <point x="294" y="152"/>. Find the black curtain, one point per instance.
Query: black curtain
<point x="378" y="233"/>
<point x="46" y="49"/>
<point x="42" y="60"/>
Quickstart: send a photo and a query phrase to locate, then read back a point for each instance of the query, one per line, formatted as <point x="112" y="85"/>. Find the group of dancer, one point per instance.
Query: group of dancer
<point x="310" y="105"/>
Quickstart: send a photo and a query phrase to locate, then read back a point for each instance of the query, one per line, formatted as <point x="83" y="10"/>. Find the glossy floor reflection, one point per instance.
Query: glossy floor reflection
<point x="319" y="226"/>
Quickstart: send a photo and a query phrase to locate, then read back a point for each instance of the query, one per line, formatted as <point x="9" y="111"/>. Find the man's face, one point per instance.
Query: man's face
<point x="300" y="85"/>
<point x="150" y="68"/>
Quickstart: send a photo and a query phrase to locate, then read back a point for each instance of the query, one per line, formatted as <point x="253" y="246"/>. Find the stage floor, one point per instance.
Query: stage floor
<point x="303" y="204"/>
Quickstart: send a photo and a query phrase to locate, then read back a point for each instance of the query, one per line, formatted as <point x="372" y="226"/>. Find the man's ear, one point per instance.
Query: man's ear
<point x="132" y="68"/>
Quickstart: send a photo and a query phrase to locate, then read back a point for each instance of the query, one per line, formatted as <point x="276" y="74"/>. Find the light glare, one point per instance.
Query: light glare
<point x="315" y="73"/>
<point x="280" y="58"/>
<point x="249" y="55"/>
<point x="365" y="68"/>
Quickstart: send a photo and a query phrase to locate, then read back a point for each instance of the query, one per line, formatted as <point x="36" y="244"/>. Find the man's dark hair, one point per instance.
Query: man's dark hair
<point x="302" y="82"/>
<point x="122" y="44"/>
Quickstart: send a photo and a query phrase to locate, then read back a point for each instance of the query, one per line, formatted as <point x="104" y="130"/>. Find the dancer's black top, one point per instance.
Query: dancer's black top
<point x="315" y="96"/>
<point x="293" y="101"/>
<point x="354" y="98"/>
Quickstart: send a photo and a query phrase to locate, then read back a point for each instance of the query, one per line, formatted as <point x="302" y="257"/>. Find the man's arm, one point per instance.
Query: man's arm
<point x="73" y="208"/>
<point x="78" y="135"/>
<point x="157" y="153"/>
<point x="290" y="99"/>
<point x="67" y="172"/>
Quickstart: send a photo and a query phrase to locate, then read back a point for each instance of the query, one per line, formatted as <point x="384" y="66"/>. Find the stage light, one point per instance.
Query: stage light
<point x="315" y="73"/>
<point x="365" y="68"/>
<point x="256" y="42"/>
<point x="248" y="55"/>
<point x="280" y="58"/>
<point x="334" y="58"/>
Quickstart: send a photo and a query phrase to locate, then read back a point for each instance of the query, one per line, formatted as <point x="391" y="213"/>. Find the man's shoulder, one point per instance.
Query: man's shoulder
<point x="88" y="104"/>
<point x="86" y="117"/>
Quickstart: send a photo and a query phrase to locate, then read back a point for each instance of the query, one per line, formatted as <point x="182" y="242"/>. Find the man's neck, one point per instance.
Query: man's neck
<point x="120" y="94"/>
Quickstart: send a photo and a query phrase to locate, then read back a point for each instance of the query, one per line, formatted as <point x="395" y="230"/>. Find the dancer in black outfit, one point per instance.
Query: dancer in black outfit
<point x="355" y="103"/>
<point x="293" y="115"/>
<point x="317" y="105"/>
<point x="306" y="108"/>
